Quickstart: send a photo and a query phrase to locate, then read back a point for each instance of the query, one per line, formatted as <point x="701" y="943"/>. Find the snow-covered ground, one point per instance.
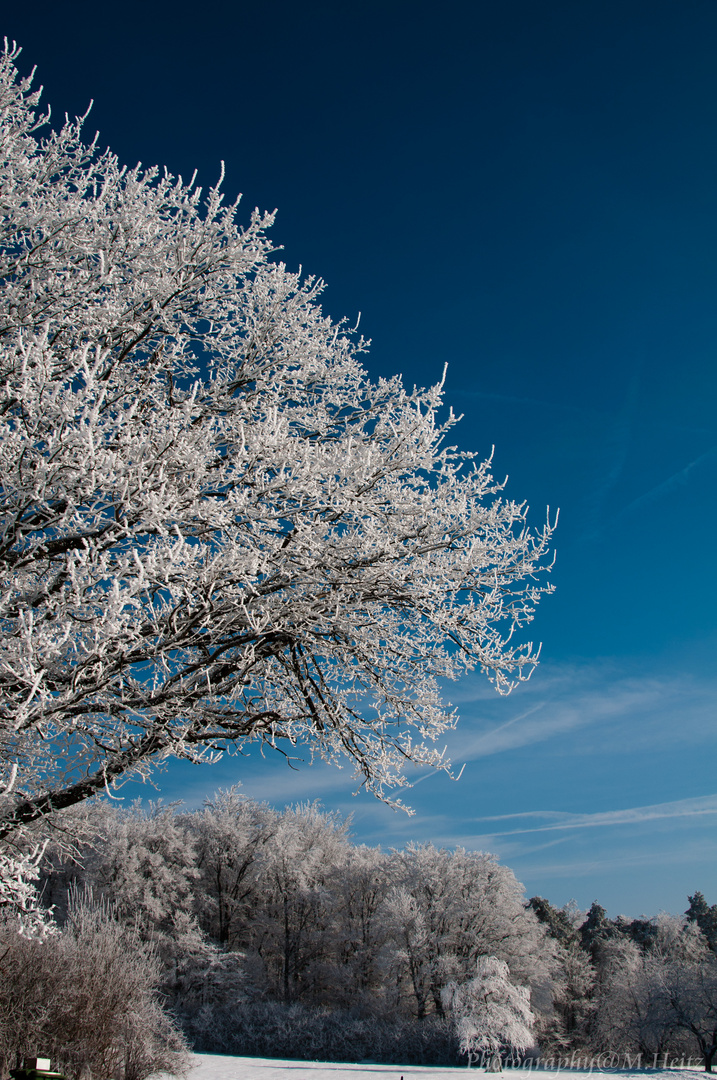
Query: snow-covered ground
<point x="220" y="1067"/>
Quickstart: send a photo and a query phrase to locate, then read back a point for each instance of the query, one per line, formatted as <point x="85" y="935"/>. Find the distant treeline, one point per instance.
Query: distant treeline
<point x="273" y="934"/>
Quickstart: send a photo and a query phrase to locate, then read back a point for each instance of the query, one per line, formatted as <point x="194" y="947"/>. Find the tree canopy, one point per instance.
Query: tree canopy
<point x="216" y="528"/>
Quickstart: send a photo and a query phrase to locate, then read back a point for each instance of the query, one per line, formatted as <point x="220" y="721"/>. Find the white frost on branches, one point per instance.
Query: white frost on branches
<point x="214" y="527"/>
<point x="490" y="1013"/>
<point x="19" y="900"/>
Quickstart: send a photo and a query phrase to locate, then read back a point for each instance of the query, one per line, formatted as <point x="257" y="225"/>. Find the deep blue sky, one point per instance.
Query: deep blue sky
<point x="526" y="191"/>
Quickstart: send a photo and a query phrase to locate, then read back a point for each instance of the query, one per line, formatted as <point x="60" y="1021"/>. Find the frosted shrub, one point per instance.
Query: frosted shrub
<point x="86" y="998"/>
<point x="272" y="1029"/>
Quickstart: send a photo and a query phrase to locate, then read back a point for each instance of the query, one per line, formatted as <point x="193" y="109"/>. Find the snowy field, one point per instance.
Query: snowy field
<point x="219" y="1067"/>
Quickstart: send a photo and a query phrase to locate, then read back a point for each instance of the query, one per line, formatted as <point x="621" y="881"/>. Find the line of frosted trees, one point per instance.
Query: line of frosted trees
<point x="269" y="932"/>
<point x="278" y="935"/>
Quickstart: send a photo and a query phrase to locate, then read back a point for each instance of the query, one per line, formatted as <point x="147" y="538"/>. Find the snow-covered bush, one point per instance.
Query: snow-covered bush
<point x="273" y="1029"/>
<point x="87" y="997"/>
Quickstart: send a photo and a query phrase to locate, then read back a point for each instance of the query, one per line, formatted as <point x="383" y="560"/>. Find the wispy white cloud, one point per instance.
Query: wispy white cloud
<point x="515" y="844"/>
<point x="265" y="778"/>
<point x="615" y="446"/>
<point x="278" y="784"/>
<point x="628" y="710"/>
<point x="535" y="725"/>
<point x="634" y="815"/>
<point x="565" y="715"/>
<point x="667" y="487"/>
<point x="701" y="854"/>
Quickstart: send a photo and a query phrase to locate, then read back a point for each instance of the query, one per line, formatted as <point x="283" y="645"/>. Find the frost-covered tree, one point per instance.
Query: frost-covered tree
<point x="565" y="1024"/>
<point x="141" y="860"/>
<point x="362" y="932"/>
<point x="229" y="834"/>
<point x="247" y="905"/>
<point x="661" y="997"/>
<point x="568" y="1025"/>
<point x="490" y="1013"/>
<point x="291" y="930"/>
<point x="632" y="1010"/>
<point x="688" y="977"/>
<point x="215" y="527"/>
<point x="705" y="916"/>
<point x="145" y="867"/>
<point x="451" y="907"/>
